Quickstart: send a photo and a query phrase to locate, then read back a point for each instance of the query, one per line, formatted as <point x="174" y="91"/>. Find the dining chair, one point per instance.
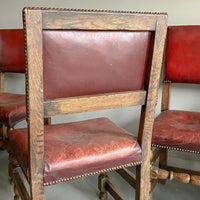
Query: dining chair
<point x="178" y="130"/>
<point x="82" y="61"/>
<point x="12" y="106"/>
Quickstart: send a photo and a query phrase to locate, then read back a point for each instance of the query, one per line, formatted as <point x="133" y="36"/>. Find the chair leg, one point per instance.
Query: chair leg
<point x="16" y="197"/>
<point x="163" y="162"/>
<point x="3" y="136"/>
<point x="143" y="183"/>
<point x="103" y="177"/>
<point x="11" y="166"/>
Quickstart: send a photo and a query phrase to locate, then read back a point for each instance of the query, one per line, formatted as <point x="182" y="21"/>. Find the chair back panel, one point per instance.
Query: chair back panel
<point x="78" y="63"/>
<point x="183" y="54"/>
<point x="12" y="51"/>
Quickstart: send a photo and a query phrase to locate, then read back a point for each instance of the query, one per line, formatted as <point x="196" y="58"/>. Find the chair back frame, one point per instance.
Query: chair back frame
<point x="35" y="20"/>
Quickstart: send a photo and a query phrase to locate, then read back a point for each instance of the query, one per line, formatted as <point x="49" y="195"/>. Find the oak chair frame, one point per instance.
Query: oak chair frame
<point x="35" y="20"/>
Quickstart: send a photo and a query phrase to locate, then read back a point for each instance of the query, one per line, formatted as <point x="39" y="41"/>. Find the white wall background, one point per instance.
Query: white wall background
<point x="180" y="12"/>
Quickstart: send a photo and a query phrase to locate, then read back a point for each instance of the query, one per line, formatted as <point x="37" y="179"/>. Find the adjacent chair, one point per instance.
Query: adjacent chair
<point x="12" y="106"/>
<point x="178" y="130"/>
<point x="81" y="61"/>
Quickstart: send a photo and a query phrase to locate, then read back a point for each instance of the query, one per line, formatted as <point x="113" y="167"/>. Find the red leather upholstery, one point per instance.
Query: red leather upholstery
<point x="79" y="63"/>
<point x="182" y="54"/>
<point x="12" y="108"/>
<point x="12" y="51"/>
<point x="79" y="148"/>
<point x="178" y="130"/>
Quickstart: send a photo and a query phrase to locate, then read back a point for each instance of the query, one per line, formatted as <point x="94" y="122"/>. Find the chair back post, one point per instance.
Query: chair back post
<point x="34" y="91"/>
<point x="148" y="110"/>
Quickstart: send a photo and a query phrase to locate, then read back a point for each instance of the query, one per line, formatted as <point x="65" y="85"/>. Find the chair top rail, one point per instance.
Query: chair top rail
<point x="102" y="20"/>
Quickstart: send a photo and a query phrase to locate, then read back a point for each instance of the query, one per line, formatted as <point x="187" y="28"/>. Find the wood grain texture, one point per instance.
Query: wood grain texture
<point x="2" y="78"/>
<point x="35" y="102"/>
<point x="99" y="21"/>
<point x="182" y="175"/>
<point x="148" y="111"/>
<point x="165" y="96"/>
<point x="181" y="170"/>
<point x="93" y="103"/>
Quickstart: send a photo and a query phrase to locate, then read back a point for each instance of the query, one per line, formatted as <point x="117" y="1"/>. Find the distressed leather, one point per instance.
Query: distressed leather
<point x="177" y="129"/>
<point x="79" y="148"/>
<point x="182" y="54"/>
<point x="80" y="63"/>
<point x="12" y="108"/>
<point x="12" y="50"/>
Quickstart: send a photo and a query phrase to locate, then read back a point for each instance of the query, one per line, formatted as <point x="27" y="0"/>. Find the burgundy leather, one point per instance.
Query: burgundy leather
<point x="80" y="63"/>
<point x="78" y="148"/>
<point x="177" y="129"/>
<point x="12" y="108"/>
<point x="12" y="50"/>
<point x="182" y="54"/>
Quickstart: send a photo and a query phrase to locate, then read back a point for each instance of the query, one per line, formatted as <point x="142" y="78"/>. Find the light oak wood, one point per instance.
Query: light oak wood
<point x="93" y="103"/>
<point x="34" y="92"/>
<point x="2" y="78"/>
<point x="99" y="21"/>
<point x="179" y="176"/>
<point x="195" y="180"/>
<point x="148" y="111"/>
<point x="159" y="174"/>
<point x="181" y="170"/>
<point x="166" y="91"/>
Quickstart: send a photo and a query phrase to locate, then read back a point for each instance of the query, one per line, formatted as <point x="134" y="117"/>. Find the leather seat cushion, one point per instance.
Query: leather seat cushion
<point x="12" y="108"/>
<point x="178" y="130"/>
<point x="79" y="149"/>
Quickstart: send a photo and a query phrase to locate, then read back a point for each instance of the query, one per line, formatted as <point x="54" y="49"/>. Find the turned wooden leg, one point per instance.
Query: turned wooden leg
<point x="3" y="136"/>
<point x="103" y="177"/>
<point x="11" y="166"/>
<point x="163" y="163"/>
<point x="16" y="197"/>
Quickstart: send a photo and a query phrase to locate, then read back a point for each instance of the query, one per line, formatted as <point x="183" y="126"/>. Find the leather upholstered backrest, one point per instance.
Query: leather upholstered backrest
<point x="80" y="63"/>
<point x="12" y="51"/>
<point x="183" y="54"/>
